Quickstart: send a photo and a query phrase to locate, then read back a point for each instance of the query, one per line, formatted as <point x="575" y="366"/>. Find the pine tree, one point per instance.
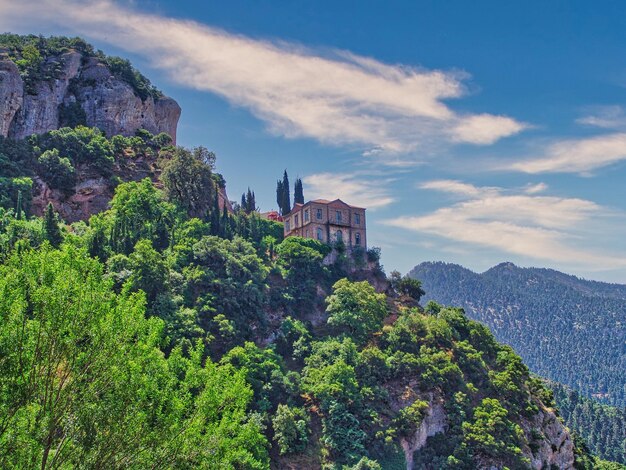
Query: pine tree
<point x="298" y="193"/>
<point x="286" y="199"/>
<point x="244" y="203"/>
<point x="51" y="229"/>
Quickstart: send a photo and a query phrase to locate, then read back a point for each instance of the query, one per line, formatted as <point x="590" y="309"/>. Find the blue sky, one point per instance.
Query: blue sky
<point x="474" y="132"/>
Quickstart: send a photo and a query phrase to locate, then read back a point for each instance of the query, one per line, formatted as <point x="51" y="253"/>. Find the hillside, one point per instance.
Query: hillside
<point x="566" y="329"/>
<point x="327" y="372"/>
<point x="243" y="351"/>
<point x="162" y="328"/>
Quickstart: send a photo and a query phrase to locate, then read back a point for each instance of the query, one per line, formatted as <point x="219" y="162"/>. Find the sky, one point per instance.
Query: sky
<point x="473" y="132"/>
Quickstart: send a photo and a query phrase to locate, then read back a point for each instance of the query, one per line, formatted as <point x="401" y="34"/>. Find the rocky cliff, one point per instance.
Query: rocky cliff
<point x="80" y="89"/>
<point x="548" y="443"/>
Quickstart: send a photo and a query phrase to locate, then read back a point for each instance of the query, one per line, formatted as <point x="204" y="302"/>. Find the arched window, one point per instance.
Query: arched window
<point x="319" y="234"/>
<point x="357" y="238"/>
<point x="339" y="236"/>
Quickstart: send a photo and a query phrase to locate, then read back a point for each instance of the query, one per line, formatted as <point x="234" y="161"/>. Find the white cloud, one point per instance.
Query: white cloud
<point x="338" y="98"/>
<point x="485" y="128"/>
<point x="536" y="227"/>
<point x="457" y="187"/>
<point x="576" y="155"/>
<point x="535" y="188"/>
<point x="606" y="117"/>
<point x="354" y="189"/>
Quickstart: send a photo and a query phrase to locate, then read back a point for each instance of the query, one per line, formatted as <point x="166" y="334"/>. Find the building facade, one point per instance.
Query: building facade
<point x="328" y="222"/>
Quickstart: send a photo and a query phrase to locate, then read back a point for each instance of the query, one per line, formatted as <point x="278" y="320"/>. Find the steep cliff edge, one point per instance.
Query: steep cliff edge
<point x="44" y="87"/>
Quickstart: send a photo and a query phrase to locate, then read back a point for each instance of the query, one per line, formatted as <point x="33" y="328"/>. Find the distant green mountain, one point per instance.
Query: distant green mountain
<point x="602" y="427"/>
<point x="566" y="329"/>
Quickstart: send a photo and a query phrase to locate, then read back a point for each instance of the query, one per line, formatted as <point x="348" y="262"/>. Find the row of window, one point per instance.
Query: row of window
<point x="338" y="218"/>
<point x="338" y="236"/>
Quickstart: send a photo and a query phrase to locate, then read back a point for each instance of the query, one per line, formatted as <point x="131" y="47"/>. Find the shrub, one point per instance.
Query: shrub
<point x="57" y="171"/>
<point x="291" y="429"/>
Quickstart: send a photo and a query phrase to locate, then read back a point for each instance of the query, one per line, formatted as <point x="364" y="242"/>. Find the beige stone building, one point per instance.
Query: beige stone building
<point x="328" y="222"/>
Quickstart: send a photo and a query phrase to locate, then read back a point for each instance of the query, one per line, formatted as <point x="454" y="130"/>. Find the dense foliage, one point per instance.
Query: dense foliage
<point x="169" y="331"/>
<point x="65" y="157"/>
<point x="40" y="58"/>
<point x="566" y="329"/>
<point x="602" y="427"/>
<point x="84" y="382"/>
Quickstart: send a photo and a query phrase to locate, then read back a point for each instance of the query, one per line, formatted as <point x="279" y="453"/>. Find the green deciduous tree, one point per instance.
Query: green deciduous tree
<point x="85" y="384"/>
<point x="188" y="180"/>
<point x="356" y="308"/>
<point x="491" y="432"/>
<point x="291" y="429"/>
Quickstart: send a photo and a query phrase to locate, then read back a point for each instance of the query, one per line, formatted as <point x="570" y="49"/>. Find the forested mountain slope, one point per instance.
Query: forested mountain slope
<point x="566" y="329"/>
<point x="602" y="427"/>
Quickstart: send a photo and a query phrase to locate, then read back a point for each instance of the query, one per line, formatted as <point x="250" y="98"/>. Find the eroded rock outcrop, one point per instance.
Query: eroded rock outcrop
<point x="434" y="422"/>
<point x="550" y="443"/>
<point x="11" y="93"/>
<point x="86" y="84"/>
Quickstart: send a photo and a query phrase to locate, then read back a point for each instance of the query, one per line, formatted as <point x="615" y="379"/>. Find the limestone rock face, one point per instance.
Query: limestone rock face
<point x="551" y="441"/>
<point x="434" y="422"/>
<point x="11" y="93"/>
<point x="109" y="103"/>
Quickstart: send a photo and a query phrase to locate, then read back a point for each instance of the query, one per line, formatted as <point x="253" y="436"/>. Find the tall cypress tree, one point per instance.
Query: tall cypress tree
<point x="51" y="229"/>
<point x="244" y="202"/>
<point x="279" y="195"/>
<point x="286" y="200"/>
<point x="215" y="215"/>
<point x="298" y="193"/>
<point x="18" y="209"/>
<point x="250" y="204"/>
<point x="225" y="228"/>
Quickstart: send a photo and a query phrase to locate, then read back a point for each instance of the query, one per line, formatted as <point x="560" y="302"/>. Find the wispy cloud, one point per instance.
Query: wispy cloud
<point x="535" y="188"/>
<point x="576" y="155"/>
<point x="606" y="117"/>
<point x="355" y="189"/>
<point x="536" y="227"/>
<point x="335" y="97"/>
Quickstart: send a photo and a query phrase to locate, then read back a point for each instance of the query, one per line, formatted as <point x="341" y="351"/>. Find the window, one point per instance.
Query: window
<point x="339" y="236"/>
<point x="319" y="234"/>
<point x="308" y="234"/>
<point x="287" y="225"/>
<point x="306" y="215"/>
<point x="319" y="214"/>
<point x="357" y="219"/>
<point x="338" y="215"/>
<point x="357" y="238"/>
<point x="295" y="221"/>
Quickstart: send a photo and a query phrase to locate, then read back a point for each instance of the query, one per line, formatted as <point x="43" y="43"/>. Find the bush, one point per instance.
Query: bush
<point x="57" y="171"/>
<point x="291" y="429"/>
<point x="356" y="308"/>
<point x="407" y="286"/>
